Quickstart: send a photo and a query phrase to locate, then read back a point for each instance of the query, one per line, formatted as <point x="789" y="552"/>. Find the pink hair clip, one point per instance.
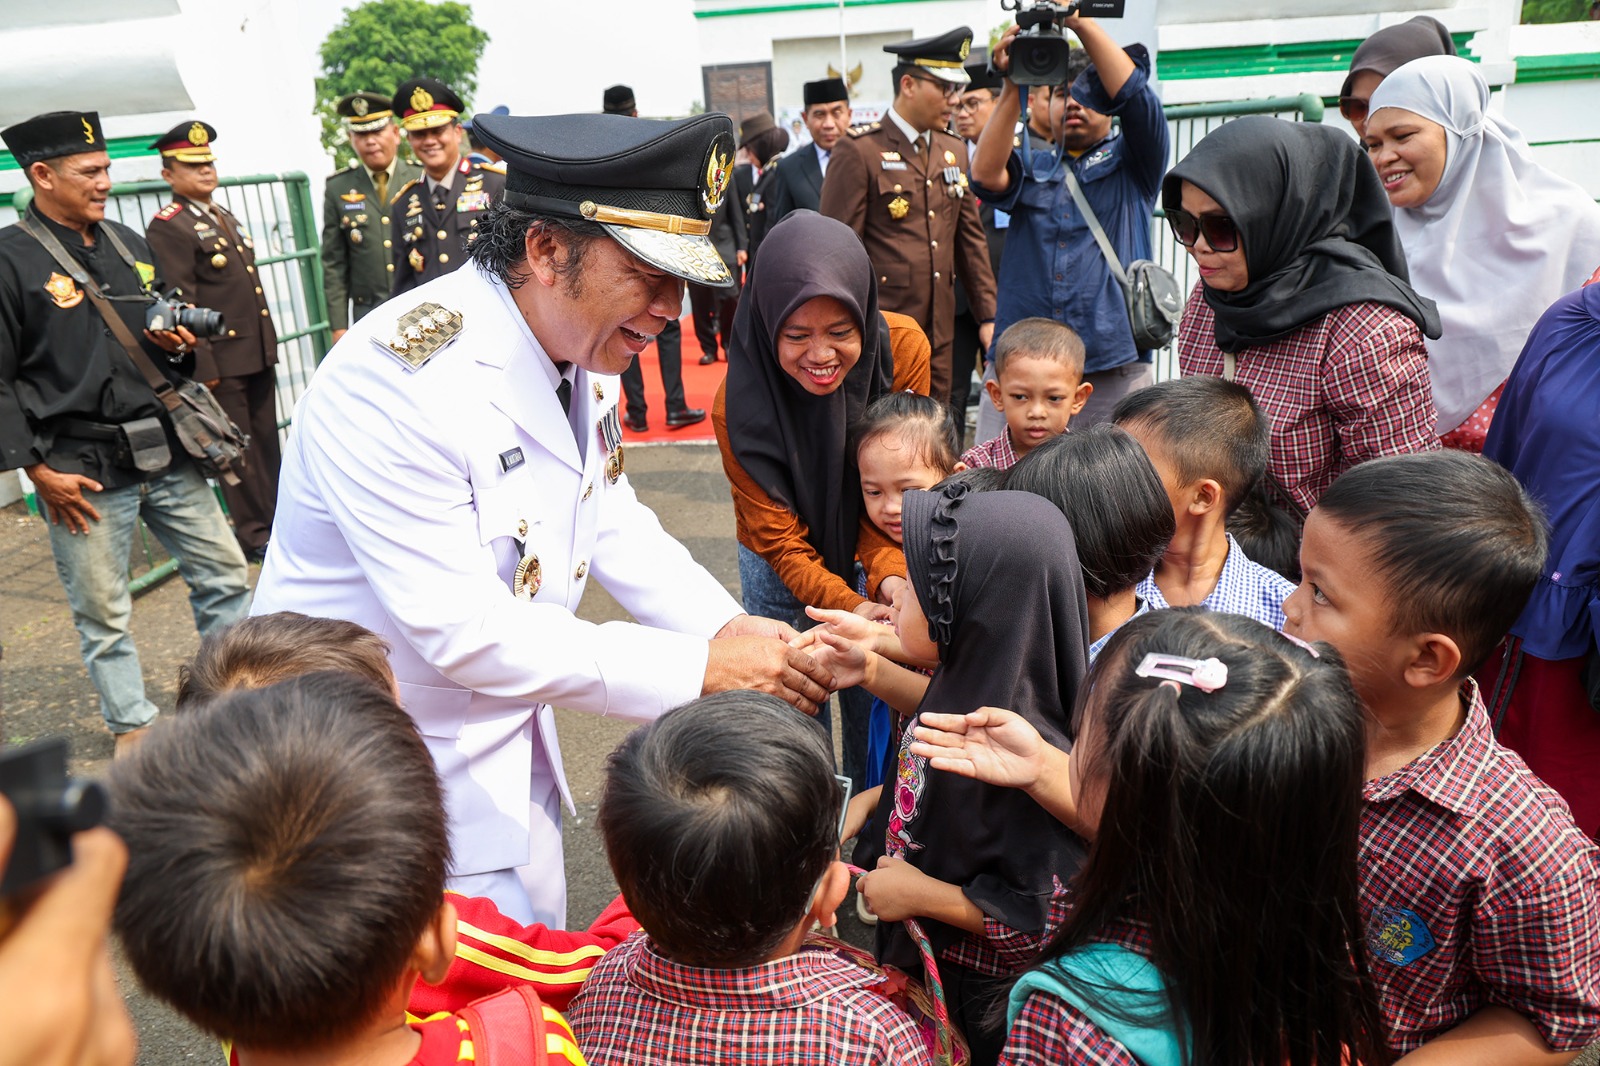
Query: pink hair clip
<point x="1207" y="675"/>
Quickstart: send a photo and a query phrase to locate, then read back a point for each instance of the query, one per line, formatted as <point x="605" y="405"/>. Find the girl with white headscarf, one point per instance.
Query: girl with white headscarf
<point x="1489" y="234"/>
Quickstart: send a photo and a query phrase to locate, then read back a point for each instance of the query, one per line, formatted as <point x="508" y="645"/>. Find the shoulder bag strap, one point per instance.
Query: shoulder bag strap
<point x="1094" y="225"/>
<point x="119" y="329"/>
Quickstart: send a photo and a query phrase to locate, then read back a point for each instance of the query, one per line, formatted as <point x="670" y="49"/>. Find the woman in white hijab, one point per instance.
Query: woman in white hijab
<point x="1490" y="235"/>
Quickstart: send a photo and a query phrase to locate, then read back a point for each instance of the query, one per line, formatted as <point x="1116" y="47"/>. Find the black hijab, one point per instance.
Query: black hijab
<point x="1005" y="602"/>
<point x="794" y="444"/>
<point x="1317" y="229"/>
<point x="1394" y="46"/>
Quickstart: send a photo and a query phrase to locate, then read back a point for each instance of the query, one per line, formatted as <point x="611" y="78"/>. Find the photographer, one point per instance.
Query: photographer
<point x="1052" y="267"/>
<point x="79" y="418"/>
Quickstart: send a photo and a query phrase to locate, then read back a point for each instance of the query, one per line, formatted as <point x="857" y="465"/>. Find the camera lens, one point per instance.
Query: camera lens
<point x="1039" y="60"/>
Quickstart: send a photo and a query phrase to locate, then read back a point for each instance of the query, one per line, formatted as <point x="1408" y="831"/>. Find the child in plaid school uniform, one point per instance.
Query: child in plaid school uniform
<point x="1038" y="387"/>
<point x="1480" y="896"/>
<point x="721" y="822"/>
<point x="285" y="889"/>
<point x="1210" y="443"/>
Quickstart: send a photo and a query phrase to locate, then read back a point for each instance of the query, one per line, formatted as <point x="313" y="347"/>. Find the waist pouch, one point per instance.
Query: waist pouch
<point x="137" y="445"/>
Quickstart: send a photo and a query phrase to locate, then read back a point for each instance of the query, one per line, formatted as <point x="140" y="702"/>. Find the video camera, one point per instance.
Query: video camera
<point x="1039" y="52"/>
<point x="166" y="313"/>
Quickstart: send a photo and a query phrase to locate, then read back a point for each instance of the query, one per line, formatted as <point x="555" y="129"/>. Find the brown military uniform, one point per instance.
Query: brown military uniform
<point x="431" y="231"/>
<point x="212" y="261"/>
<point x="919" y="222"/>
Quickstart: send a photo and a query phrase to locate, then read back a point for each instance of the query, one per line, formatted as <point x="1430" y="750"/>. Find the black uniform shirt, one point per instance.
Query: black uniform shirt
<point x="57" y="357"/>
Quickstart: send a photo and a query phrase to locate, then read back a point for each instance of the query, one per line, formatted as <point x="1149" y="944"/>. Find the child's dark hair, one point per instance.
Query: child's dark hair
<point x="719" y="819"/>
<point x="1267" y="533"/>
<point x="1459" y="543"/>
<point x="1102" y="480"/>
<point x="977" y="479"/>
<point x="287" y="848"/>
<point x="1229" y="828"/>
<point x="269" y="648"/>
<point x="1208" y="428"/>
<point x="920" y="421"/>
<point x="1039" y="338"/>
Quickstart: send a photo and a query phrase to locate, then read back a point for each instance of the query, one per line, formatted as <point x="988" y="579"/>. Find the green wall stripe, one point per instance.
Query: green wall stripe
<point x="1240" y="61"/>
<point x="1572" y="66"/>
<point x="795" y="5"/>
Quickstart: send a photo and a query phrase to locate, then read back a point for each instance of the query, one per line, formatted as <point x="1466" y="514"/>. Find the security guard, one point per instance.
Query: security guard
<point x="455" y="476"/>
<point x="432" y="218"/>
<point x="357" y="251"/>
<point x="901" y="184"/>
<point x="79" y="418"/>
<point x="202" y="249"/>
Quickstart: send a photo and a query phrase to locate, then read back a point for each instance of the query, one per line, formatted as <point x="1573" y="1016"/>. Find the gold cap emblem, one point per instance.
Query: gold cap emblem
<point x="88" y="131"/>
<point x="718" y="168"/>
<point x="360" y="106"/>
<point x="421" y="99"/>
<point x="966" y="47"/>
<point x="197" y="135"/>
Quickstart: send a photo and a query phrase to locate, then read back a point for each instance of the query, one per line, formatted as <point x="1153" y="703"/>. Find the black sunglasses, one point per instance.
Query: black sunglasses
<point x="1353" y="108"/>
<point x="1220" y="232"/>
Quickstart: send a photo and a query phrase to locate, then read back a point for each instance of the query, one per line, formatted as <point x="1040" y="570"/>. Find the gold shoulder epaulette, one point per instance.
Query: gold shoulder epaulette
<point x="170" y="212"/>
<point x="405" y="189"/>
<point x="498" y="168"/>
<point x="421" y="333"/>
<point x="865" y="127"/>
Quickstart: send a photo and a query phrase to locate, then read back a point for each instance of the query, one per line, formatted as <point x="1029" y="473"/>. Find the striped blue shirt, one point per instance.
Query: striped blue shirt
<point x="1243" y="587"/>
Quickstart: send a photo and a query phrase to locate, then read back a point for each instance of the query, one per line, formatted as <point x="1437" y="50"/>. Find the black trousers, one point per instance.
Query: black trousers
<point x="252" y="403"/>
<point x="669" y="351"/>
<point x="713" y="312"/>
<point x="963" y="360"/>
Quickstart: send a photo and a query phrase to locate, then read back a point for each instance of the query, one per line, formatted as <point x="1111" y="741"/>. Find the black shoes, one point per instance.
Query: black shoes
<point x="638" y="425"/>
<point x="708" y="358"/>
<point x="686" y="417"/>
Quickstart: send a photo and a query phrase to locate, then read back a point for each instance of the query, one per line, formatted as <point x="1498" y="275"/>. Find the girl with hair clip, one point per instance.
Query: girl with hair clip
<point x="1218" y="773"/>
<point x="996" y="598"/>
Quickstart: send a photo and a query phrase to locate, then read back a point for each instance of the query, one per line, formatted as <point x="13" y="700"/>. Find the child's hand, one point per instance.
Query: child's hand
<point x="875" y="612"/>
<point x="894" y="890"/>
<point x="858" y="810"/>
<point x="845" y="658"/>
<point x="889" y="586"/>
<point x="847" y="624"/>
<point x="995" y="746"/>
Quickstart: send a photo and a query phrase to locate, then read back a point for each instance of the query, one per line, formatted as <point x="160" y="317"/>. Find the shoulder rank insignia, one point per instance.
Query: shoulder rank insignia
<point x="465" y="166"/>
<point x="497" y="168"/>
<point x="864" y="128"/>
<point x="421" y="333"/>
<point x="170" y="212"/>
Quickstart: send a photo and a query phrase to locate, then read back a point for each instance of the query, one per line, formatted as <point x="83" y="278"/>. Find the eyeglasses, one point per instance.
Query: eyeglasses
<point x="972" y="105"/>
<point x="1220" y="232"/>
<point x="1353" y="108"/>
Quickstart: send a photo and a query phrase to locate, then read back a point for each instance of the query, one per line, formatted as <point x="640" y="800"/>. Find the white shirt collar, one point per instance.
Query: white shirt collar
<point x="907" y="129"/>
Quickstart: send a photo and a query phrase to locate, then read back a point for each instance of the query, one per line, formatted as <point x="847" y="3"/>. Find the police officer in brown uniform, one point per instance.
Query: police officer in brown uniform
<point x="901" y="184"/>
<point x="201" y="248"/>
<point x="432" y="219"/>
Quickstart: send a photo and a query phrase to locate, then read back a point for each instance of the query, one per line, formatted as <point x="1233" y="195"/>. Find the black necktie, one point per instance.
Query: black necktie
<point x="564" y="394"/>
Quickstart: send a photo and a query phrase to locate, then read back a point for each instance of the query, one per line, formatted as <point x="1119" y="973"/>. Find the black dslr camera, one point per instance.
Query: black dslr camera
<point x="165" y="312"/>
<point x="50" y="807"/>
<point x="1039" y="52"/>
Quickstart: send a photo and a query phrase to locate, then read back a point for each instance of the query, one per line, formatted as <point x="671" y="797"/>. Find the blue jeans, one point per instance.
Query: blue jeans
<point x="765" y="594"/>
<point x="182" y="512"/>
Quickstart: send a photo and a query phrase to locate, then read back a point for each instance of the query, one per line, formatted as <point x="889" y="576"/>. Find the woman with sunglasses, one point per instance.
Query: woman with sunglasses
<point x="1303" y="298"/>
<point x="1381" y="55"/>
<point x="1490" y="234"/>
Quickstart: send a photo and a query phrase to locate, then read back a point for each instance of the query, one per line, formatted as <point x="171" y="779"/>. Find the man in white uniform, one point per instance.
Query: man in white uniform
<point x="455" y="475"/>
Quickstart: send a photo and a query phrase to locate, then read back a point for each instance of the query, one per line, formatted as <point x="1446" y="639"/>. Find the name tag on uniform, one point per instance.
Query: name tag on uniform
<point x="511" y="460"/>
<point x="894" y="164"/>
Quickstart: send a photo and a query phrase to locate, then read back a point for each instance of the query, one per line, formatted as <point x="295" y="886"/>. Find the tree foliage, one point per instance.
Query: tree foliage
<point x="1555" y="10"/>
<point x="381" y="43"/>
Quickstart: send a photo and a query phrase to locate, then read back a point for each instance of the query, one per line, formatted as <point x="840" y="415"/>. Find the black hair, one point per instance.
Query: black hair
<point x="1078" y="61"/>
<point x="767" y="144"/>
<point x="1459" y="543"/>
<point x="1103" y="482"/>
<point x="1267" y="533"/>
<point x="1039" y="338"/>
<point x="1230" y="829"/>
<point x="900" y="70"/>
<point x="500" y="243"/>
<point x="287" y="849"/>
<point x="267" y="648"/>
<point x="920" y="421"/>
<point x="719" y="819"/>
<point x="977" y="479"/>
<point x="1208" y="428"/>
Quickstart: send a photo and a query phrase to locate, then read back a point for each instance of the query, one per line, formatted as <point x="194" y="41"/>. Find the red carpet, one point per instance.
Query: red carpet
<point x="700" y="384"/>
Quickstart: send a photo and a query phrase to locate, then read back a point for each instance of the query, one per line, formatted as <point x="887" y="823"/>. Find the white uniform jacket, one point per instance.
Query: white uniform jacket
<point x="403" y="496"/>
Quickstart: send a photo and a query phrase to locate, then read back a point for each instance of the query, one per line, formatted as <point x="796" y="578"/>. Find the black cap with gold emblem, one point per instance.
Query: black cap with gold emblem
<point x="653" y="185"/>
<point x="187" y="142"/>
<point x="425" y="103"/>
<point x="943" y="56"/>
<point x="365" y="112"/>
<point x="56" y="133"/>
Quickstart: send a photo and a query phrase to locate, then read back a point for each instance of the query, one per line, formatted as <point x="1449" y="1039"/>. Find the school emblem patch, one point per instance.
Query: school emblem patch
<point x="1397" y="936"/>
<point x="63" y="292"/>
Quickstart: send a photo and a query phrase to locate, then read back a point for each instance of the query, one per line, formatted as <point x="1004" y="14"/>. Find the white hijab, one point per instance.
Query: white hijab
<point x="1499" y="240"/>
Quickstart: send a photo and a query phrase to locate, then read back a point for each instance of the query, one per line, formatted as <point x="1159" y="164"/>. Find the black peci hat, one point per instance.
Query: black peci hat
<point x="653" y="185"/>
<point x="941" y="56"/>
<point x="53" y="134"/>
<point x="826" y="91"/>
<point x="426" y="103"/>
<point x="187" y="142"/>
<point x="365" y="112"/>
<point x="980" y="77"/>
<point x="618" y="100"/>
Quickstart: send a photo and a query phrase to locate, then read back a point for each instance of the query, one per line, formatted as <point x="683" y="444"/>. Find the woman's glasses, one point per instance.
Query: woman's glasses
<point x="1353" y="108"/>
<point x="1220" y="232"/>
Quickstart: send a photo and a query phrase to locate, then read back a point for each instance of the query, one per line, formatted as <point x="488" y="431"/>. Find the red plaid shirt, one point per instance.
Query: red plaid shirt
<point x="1050" y="1031"/>
<point x="1349" y="387"/>
<point x="1477" y="889"/>
<point x="812" y="1008"/>
<point x="997" y="453"/>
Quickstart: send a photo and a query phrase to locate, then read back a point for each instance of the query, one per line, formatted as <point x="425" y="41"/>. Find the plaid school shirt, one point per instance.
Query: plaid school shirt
<point x="1244" y="587"/>
<point x="812" y="1008"/>
<point x="1347" y="387"/>
<point x="1049" y="1031"/>
<point x="1477" y="889"/>
<point x="997" y="453"/>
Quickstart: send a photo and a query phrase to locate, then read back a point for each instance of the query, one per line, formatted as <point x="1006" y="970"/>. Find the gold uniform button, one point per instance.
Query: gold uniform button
<point x="934" y="243"/>
<point x="388" y="243"/>
<point x="444" y="257"/>
<point x="258" y="290"/>
<point x="264" y="310"/>
<point x="251" y="269"/>
<point x="385" y="220"/>
<point x="233" y="333"/>
<point x="897" y="188"/>
<point x="883" y="279"/>
<point x="522" y="527"/>
<point x="391" y="268"/>
<point x="443" y="235"/>
<point x="935" y="275"/>
<point x="930" y="214"/>
<point x="930" y="183"/>
<point x="583" y="569"/>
